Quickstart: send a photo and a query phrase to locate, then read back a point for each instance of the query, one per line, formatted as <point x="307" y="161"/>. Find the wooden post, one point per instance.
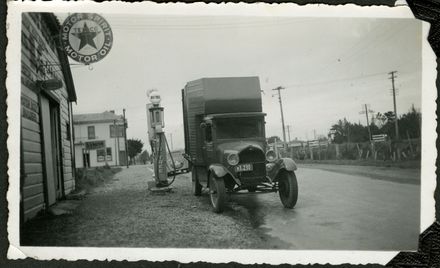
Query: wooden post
<point x="326" y="151"/>
<point x="311" y="151"/>
<point x="337" y="151"/>
<point x="410" y="144"/>
<point x="319" y="150"/>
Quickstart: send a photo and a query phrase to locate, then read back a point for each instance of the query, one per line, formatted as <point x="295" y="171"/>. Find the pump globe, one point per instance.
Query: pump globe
<point x="155" y="98"/>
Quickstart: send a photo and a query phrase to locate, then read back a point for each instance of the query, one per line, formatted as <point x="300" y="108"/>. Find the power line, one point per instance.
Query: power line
<point x="338" y="80"/>
<point x="363" y="49"/>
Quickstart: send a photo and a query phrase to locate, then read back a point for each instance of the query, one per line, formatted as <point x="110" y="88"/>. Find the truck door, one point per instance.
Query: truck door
<point x="208" y="148"/>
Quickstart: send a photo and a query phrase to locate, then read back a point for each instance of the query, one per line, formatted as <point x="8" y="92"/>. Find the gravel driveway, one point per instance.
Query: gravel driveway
<point x="124" y="213"/>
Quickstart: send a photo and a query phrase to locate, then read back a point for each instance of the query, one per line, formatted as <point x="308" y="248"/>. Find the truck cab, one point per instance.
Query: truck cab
<point x="236" y="141"/>
<point x="225" y="142"/>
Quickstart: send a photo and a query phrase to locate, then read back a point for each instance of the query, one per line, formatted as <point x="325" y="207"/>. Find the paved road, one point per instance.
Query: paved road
<point x="350" y="209"/>
<point x="341" y="209"/>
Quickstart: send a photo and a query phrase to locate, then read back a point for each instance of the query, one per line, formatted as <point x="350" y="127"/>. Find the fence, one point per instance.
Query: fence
<point x="385" y="150"/>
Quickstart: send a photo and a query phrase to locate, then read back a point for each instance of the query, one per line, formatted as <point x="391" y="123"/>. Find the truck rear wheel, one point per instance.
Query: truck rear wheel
<point x="217" y="193"/>
<point x="288" y="188"/>
<point x="197" y="187"/>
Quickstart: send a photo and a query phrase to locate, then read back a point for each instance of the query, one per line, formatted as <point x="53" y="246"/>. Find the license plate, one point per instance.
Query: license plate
<point x="244" y="167"/>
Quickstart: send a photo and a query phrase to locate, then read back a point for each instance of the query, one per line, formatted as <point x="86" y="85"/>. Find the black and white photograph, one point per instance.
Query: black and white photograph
<point x="142" y="130"/>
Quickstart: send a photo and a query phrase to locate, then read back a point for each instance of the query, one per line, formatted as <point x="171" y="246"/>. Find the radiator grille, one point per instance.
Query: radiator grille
<point x="252" y="155"/>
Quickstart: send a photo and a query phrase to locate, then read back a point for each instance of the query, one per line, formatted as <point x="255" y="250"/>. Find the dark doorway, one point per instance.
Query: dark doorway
<point x="50" y="119"/>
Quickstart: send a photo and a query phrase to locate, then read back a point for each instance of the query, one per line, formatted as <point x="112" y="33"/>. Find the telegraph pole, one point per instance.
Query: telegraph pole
<point x="278" y="89"/>
<point x="125" y="137"/>
<point x="368" y="121"/>
<point x="396" y="125"/>
<point x="288" y="131"/>
<point x="116" y="146"/>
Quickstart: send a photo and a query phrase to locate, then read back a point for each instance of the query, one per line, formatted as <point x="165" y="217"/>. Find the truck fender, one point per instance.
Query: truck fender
<point x="220" y="171"/>
<point x="284" y="164"/>
<point x="288" y="164"/>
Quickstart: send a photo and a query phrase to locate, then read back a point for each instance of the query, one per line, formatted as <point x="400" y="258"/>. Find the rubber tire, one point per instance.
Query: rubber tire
<point x="288" y="189"/>
<point x="197" y="187"/>
<point x="217" y="187"/>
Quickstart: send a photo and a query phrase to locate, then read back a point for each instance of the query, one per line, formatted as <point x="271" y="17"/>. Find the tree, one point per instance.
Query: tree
<point x="409" y="124"/>
<point x="344" y="131"/>
<point x="134" y="148"/>
<point x="145" y="157"/>
<point x="339" y="132"/>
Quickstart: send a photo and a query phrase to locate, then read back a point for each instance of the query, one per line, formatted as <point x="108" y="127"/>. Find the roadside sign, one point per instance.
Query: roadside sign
<point x="86" y="37"/>
<point x="317" y="143"/>
<point x="95" y="145"/>
<point x="379" y="137"/>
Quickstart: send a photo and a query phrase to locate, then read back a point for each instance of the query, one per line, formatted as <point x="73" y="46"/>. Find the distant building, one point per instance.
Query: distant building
<point x="99" y="140"/>
<point x="47" y="93"/>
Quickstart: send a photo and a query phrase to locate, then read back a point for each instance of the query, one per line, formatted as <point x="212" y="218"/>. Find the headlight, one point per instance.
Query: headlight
<point x="269" y="166"/>
<point x="233" y="159"/>
<point x="271" y="156"/>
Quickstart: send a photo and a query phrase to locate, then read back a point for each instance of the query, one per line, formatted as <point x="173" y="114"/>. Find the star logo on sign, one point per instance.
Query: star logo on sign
<point x="86" y="37"/>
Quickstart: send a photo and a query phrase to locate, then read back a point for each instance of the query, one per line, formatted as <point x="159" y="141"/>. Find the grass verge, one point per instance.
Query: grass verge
<point x="399" y="164"/>
<point x="88" y="178"/>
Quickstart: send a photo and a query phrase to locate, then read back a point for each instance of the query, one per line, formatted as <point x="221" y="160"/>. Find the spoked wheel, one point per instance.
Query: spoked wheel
<point x="217" y="193"/>
<point x="197" y="187"/>
<point x="288" y="189"/>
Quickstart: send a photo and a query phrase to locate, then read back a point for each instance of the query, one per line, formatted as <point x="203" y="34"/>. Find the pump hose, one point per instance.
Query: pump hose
<point x="171" y="156"/>
<point x="172" y="161"/>
<point x="158" y="157"/>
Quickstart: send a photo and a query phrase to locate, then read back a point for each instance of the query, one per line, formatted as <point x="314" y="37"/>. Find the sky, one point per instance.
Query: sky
<point x="330" y="67"/>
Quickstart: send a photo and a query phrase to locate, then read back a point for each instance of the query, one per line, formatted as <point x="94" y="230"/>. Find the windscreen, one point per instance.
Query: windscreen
<point x="238" y="128"/>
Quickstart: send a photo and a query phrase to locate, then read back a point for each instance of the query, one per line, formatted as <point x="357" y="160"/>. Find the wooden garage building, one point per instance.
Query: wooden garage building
<point x="47" y="92"/>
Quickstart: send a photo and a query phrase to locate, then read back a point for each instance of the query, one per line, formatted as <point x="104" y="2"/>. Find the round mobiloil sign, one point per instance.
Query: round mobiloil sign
<point x="86" y="37"/>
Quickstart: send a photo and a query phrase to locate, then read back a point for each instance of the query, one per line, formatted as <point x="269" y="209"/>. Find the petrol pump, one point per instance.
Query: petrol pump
<point x="159" y="146"/>
<point x="157" y="139"/>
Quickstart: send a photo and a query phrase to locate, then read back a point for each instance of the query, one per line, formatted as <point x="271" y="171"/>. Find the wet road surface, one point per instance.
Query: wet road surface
<point x="341" y="209"/>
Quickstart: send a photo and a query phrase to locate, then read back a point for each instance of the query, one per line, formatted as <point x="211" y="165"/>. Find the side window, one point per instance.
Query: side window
<point x="208" y="133"/>
<point x="112" y="131"/>
<point x="109" y="154"/>
<point x="91" y="132"/>
<point x="100" y="153"/>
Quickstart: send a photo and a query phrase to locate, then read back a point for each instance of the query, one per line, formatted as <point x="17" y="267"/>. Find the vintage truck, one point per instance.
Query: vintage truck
<point x="225" y="142"/>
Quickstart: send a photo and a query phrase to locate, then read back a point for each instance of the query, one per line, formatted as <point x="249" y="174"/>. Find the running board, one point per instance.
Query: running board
<point x="178" y="172"/>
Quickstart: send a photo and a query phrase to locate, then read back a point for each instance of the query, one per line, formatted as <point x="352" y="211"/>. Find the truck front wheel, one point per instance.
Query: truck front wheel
<point x="288" y="188"/>
<point x="197" y="187"/>
<point x="217" y="193"/>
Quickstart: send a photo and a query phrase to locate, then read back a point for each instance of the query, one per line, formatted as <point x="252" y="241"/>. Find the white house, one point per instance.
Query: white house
<point x="96" y="141"/>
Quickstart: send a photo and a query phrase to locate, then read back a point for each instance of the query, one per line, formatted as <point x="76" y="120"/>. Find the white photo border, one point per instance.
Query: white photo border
<point x="429" y="153"/>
